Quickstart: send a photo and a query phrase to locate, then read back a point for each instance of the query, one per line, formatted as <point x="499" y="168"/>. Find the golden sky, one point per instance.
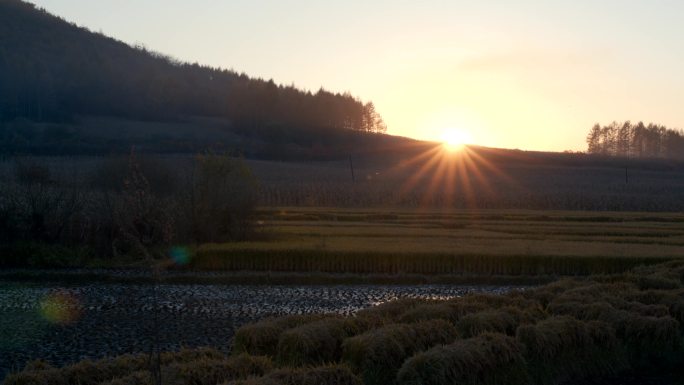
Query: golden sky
<point x="529" y="74"/>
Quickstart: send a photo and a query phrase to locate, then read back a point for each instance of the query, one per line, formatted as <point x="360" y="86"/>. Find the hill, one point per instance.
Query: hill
<point x="54" y="72"/>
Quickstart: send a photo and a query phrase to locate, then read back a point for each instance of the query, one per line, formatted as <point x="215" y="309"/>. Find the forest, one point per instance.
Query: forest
<point x="636" y="140"/>
<point x="53" y="71"/>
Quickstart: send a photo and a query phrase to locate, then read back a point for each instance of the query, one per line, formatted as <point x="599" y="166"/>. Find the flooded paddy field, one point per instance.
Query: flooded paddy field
<point x="64" y="324"/>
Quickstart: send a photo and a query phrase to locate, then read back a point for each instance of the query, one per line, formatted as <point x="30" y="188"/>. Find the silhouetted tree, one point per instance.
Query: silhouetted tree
<point x="639" y="140"/>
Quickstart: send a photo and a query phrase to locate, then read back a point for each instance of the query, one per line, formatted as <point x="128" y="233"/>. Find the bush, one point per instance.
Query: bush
<point x="489" y="359"/>
<point x="378" y="354"/>
<point x="109" y="175"/>
<point x="222" y="199"/>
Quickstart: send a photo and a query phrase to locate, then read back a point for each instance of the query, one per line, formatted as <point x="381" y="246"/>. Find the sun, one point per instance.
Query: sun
<point x="454" y="139"/>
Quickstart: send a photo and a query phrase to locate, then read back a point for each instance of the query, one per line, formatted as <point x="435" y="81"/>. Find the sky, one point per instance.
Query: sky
<point x="527" y="74"/>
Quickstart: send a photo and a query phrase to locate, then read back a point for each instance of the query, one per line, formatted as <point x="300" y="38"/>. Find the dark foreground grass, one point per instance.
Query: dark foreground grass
<point x="569" y="331"/>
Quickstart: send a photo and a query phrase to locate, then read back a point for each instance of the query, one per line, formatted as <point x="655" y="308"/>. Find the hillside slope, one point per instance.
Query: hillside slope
<point x="55" y="71"/>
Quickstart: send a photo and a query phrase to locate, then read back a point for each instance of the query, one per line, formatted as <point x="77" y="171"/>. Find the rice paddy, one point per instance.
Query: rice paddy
<point x="460" y="242"/>
<point x="569" y="331"/>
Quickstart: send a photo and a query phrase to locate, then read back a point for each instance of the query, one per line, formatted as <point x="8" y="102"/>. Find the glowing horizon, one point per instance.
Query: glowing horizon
<point x="533" y="76"/>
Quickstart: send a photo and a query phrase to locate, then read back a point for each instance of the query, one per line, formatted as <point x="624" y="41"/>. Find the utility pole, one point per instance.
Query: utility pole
<point x="351" y="167"/>
<point x="626" y="177"/>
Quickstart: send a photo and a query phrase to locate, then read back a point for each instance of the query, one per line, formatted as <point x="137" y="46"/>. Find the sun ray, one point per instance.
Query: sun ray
<point x="438" y="176"/>
<point x="415" y="178"/>
<point x="479" y="177"/>
<point x="436" y="180"/>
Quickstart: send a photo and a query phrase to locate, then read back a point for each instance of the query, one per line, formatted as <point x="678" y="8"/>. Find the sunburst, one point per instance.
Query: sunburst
<point x="454" y="139"/>
<point x="449" y="170"/>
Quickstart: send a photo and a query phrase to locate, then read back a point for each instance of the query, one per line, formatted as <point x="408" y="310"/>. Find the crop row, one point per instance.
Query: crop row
<point x="302" y="260"/>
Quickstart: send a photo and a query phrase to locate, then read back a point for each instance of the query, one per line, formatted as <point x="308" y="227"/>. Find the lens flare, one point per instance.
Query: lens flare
<point x="455" y="139"/>
<point x="440" y="176"/>
<point x="60" y="307"/>
<point x="179" y="255"/>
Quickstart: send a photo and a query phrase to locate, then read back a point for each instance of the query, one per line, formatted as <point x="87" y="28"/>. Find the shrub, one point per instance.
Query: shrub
<point x="261" y="338"/>
<point x="109" y="174"/>
<point x="489" y="359"/>
<point x="142" y="220"/>
<point x="378" y="354"/>
<point x="221" y="200"/>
